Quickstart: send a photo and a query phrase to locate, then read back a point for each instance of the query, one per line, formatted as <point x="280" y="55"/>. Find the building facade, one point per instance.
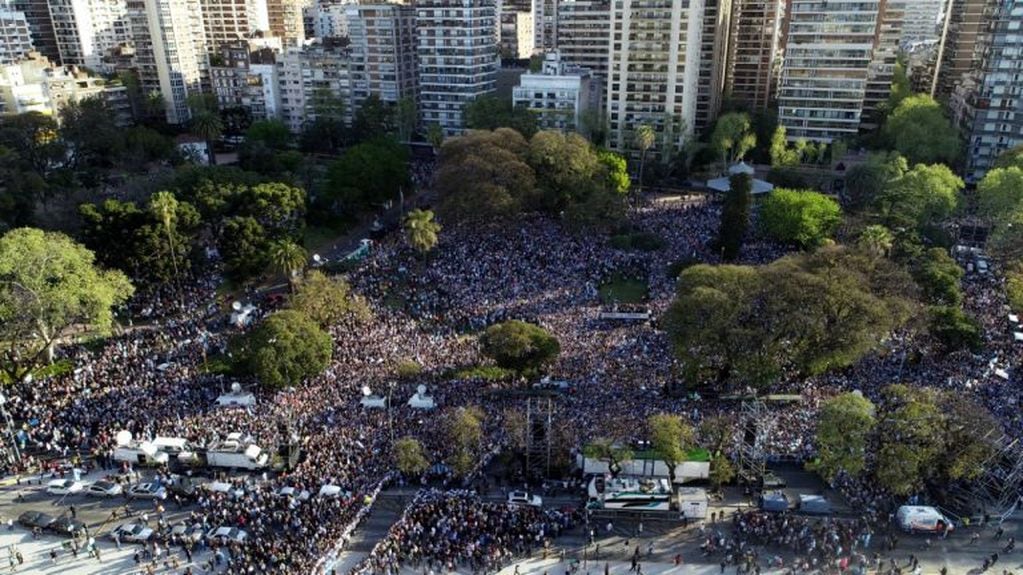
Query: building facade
<point x="237" y="85"/>
<point x="40" y="26"/>
<point x="882" y="66"/>
<point x="517" y="35"/>
<point x="713" y="61"/>
<point x="545" y="24"/>
<point x="226" y="21"/>
<point x="988" y="102"/>
<point x="313" y="79"/>
<point x="653" y="72"/>
<point x="457" y="58"/>
<point x="828" y="53"/>
<point x="961" y="47"/>
<point x="559" y="94"/>
<point x="15" y="38"/>
<point x="171" y="57"/>
<point x="754" y="52"/>
<point x="285" y="20"/>
<point x="87" y="31"/>
<point x="35" y="84"/>
<point x="383" y="43"/>
<point x="921" y="21"/>
<point x="584" y="39"/>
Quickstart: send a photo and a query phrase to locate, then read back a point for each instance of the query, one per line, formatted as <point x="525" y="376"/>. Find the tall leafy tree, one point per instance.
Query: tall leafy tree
<point x="491" y="113"/>
<point x="909" y="439"/>
<point x="876" y="240"/>
<point x="1013" y="157"/>
<point x="804" y="218"/>
<point x="288" y="258"/>
<point x="164" y="207"/>
<point x="410" y="457"/>
<point x="36" y="140"/>
<point x="644" y="139"/>
<point x="844" y="428"/>
<point x="1000" y="192"/>
<point x="671" y="439"/>
<point x="367" y="174"/>
<point x="865" y="182"/>
<point x="286" y="349"/>
<point x="49" y="283"/>
<point x="920" y="131"/>
<point x="329" y="301"/>
<point x="924" y="194"/>
<point x="207" y="124"/>
<point x="735" y="216"/>
<point x="733" y="136"/>
<point x="484" y="175"/>
<point x="92" y="140"/>
<point x="464" y="434"/>
<point x="521" y="346"/>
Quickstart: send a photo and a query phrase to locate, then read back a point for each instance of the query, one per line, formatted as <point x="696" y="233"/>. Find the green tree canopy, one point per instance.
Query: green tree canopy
<point x="464" y="434"/>
<point x="954" y="329"/>
<point x="1000" y="192"/>
<point x="781" y="154"/>
<point x="49" y="283"/>
<point x="491" y="113"/>
<point x="521" y="346"/>
<point x="367" y="174"/>
<point x="925" y="194"/>
<point x="421" y="230"/>
<point x="410" y="457"/>
<point x="329" y="301"/>
<point x="285" y="349"/>
<point x="670" y="438"/>
<point x="938" y="276"/>
<point x="1006" y="241"/>
<point x="920" y="131"/>
<point x="735" y="216"/>
<point x="844" y="428"/>
<point x="865" y="182"/>
<point x="484" y="175"/>
<point x="802" y="217"/>
<point x="909" y="438"/>
<point x="1013" y="157"/>
<point x="733" y="136"/>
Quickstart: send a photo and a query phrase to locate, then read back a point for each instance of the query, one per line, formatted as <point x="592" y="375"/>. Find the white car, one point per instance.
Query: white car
<point x="222" y="487"/>
<point x="147" y="491"/>
<point x="293" y="493"/>
<point x="104" y="489"/>
<point x="191" y="533"/>
<point x="228" y="534"/>
<point x="64" y="487"/>
<point x="523" y="498"/>
<point x="132" y="533"/>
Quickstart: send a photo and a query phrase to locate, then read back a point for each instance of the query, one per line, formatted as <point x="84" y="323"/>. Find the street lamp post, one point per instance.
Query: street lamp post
<point x="9" y="427"/>
<point x="390" y="414"/>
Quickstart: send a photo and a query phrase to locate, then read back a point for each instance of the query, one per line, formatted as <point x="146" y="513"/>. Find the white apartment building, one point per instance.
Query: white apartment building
<point x="584" y="39"/>
<point x="330" y="20"/>
<point x="830" y="47"/>
<point x="35" y="84"/>
<point x="285" y="20"/>
<point x="170" y="51"/>
<point x="88" y="30"/>
<point x="545" y="24"/>
<point x="517" y="34"/>
<point x="383" y="42"/>
<point x="559" y="94"/>
<point x="653" y="72"/>
<point x="458" y="58"/>
<point x="15" y="40"/>
<point x="921" y="20"/>
<point x="307" y="74"/>
<point x="246" y="79"/>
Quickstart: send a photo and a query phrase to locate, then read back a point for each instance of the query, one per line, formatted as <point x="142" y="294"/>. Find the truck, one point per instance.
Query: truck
<point x="144" y="453"/>
<point x="236" y="453"/>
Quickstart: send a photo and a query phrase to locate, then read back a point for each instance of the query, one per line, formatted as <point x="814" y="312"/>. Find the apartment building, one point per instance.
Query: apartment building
<point x="457" y="58"/>
<point x="755" y="46"/>
<point x="15" y="39"/>
<point x="246" y="79"/>
<point x="653" y="72"/>
<point x="713" y="61"/>
<point x="921" y="20"/>
<point x="383" y="43"/>
<point x="310" y="79"/>
<point x="961" y="48"/>
<point x="559" y="94"/>
<point x="40" y="26"/>
<point x="87" y="31"/>
<point x="584" y="39"/>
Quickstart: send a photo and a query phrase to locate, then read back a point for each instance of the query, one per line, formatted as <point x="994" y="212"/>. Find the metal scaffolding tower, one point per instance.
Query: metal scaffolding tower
<point x="539" y="419"/>
<point x="755" y="426"/>
<point x="998" y="488"/>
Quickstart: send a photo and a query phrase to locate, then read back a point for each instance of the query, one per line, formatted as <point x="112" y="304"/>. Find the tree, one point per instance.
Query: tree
<point x="721" y="471"/>
<point x="1013" y="157"/>
<point x="164" y="207"/>
<point x="406" y="119"/>
<point x="207" y="124"/>
<point x="909" y="425"/>
<point x="644" y="139"/>
<point x="1000" y="192"/>
<point x="92" y="140"/>
<point x="616" y="168"/>
<point x="367" y="174"/>
<point x="969" y="432"/>
<point x="288" y="258"/>
<point x="421" y="230"/>
<point x="922" y="195"/>
<point x="491" y="113"/>
<point x="920" y="131"/>
<point x="865" y="182"/>
<point x="328" y="301"/>
<point x="484" y="175"/>
<point x="285" y="349"/>
<point x="732" y="137"/>
<point x="373" y="119"/>
<point x="876" y="240"/>
<point x="409" y="457"/>
<point x="566" y="166"/>
<point x="781" y="155"/>
<point x="435" y="135"/>
<point x="243" y="246"/>
<point x="49" y="283"/>
<point x="1006" y="241"/>
<point x="609" y="451"/>
<point x="804" y="218"/>
<point x="36" y="140"/>
<point x="954" y="329"/>
<point x="671" y="439"/>
<point x="844" y="428"/>
<point x="735" y="216"/>
<point x="464" y="434"/>
<point x="938" y="275"/>
<point x="521" y="346"/>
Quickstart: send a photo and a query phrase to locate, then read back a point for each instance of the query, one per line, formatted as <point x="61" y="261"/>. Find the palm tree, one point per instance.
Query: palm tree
<point x="288" y="258"/>
<point x="207" y="125"/>
<point x="164" y="206"/>
<point x="422" y="230"/>
<point x="876" y="240"/>
<point x="644" y="140"/>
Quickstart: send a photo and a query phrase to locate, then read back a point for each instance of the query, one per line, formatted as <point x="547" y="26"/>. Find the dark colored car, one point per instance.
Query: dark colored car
<point x="67" y="526"/>
<point x="33" y="519"/>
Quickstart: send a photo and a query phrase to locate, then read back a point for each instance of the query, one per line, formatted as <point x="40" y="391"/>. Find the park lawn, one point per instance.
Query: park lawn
<point x="624" y="290"/>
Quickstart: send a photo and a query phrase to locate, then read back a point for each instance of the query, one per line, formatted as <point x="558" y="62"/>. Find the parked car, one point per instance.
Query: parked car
<point x="191" y="533"/>
<point x="147" y="491"/>
<point x="64" y="487"/>
<point x="771" y="481"/>
<point x="524" y="498"/>
<point x="33" y="519"/>
<point x="228" y="534"/>
<point x="65" y="525"/>
<point x="104" y="489"/>
<point x="132" y="533"/>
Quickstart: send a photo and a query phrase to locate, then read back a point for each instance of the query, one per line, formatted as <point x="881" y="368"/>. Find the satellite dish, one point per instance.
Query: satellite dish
<point x="366" y="392"/>
<point x="123" y="437"/>
<point x="421" y="389"/>
<point x="237" y="306"/>
<point x="236" y="387"/>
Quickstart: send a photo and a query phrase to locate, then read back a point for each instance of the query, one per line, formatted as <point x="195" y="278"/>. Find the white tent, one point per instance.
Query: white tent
<point x="725" y="184"/>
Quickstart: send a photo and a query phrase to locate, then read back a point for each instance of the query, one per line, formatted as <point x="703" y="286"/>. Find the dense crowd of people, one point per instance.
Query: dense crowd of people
<point x="150" y="380"/>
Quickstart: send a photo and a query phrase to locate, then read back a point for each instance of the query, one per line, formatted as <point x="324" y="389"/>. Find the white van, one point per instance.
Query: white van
<point x="140" y="454"/>
<point x="172" y="446"/>
<point x="922" y="519"/>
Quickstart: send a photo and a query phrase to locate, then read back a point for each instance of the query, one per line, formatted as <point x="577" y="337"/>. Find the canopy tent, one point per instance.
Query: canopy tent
<point x="725" y="184"/>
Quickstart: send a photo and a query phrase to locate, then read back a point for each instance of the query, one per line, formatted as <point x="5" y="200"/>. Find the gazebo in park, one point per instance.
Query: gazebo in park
<point x="725" y="184"/>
